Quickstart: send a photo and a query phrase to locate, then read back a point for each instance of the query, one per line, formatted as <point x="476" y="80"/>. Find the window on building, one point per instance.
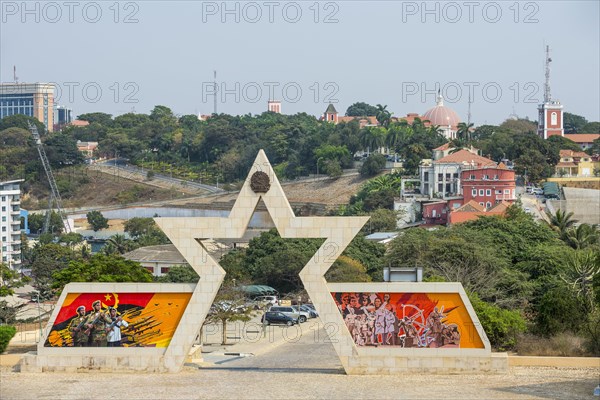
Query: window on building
<point x="472" y="177"/>
<point x="3" y="198"/>
<point x="486" y="177"/>
<point x="3" y="219"/>
<point x="448" y="175"/>
<point x="488" y="192"/>
<point x="474" y="192"/>
<point x="440" y="187"/>
<point x="554" y="119"/>
<point x="164" y="270"/>
<point x="3" y="208"/>
<point x="498" y="191"/>
<point x="440" y="177"/>
<point x="496" y="177"/>
<point x="455" y="175"/>
<point x="481" y="204"/>
<point x="426" y="176"/>
<point x="488" y="205"/>
<point x="506" y="191"/>
<point x="481" y="192"/>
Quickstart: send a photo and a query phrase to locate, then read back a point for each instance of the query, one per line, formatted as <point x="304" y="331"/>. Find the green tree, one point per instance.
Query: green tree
<point x="501" y="326"/>
<point x="361" y="109"/>
<point x="21" y="121"/>
<point x="346" y="269"/>
<point x="591" y="127"/>
<point x="561" y="221"/>
<point x="96" y="117"/>
<point x="139" y="226"/>
<point x="70" y="239"/>
<point x="464" y="131"/>
<point x="229" y="306"/>
<point x="46" y="260"/>
<point x="573" y="123"/>
<point x="372" y="165"/>
<point x="563" y="143"/>
<point x="383" y="116"/>
<point x="382" y="220"/>
<point x="582" y="236"/>
<point x="373" y="137"/>
<point x="9" y="279"/>
<point x="118" y="244"/>
<point x="101" y="268"/>
<point x="97" y="220"/>
<point x="581" y="269"/>
<point x="179" y="274"/>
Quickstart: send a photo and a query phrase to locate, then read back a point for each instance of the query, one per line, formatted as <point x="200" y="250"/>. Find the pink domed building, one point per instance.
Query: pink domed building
<point x="444" y="117"/>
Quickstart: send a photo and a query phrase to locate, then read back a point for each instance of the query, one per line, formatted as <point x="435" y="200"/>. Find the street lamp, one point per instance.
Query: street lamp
<point x="37" y="298"/>
<point x="318" y="161"/>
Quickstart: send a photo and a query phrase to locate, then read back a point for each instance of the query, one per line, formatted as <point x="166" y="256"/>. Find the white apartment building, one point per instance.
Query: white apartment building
<point x="10" y="223"/>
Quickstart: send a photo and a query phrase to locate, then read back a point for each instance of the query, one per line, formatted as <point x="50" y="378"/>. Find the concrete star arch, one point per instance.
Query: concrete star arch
<point x="185" y="234"/>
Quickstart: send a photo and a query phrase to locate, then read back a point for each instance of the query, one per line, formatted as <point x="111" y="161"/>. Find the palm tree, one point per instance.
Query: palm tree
<point x="582" y="236"/>
<point x="464" y="131"/>
<point x="383" y="116"/>
<point x="373" y="137"/>
<point x="561" y="222"/>
<point x="119" y="244"/>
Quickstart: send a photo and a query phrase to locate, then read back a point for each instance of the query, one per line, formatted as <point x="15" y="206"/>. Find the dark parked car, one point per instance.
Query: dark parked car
<point x="276" y="317"/>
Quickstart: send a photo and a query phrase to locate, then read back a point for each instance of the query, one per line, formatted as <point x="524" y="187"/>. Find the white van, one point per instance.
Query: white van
<point x="537" y="191"/>
<point x="271" y="300"/>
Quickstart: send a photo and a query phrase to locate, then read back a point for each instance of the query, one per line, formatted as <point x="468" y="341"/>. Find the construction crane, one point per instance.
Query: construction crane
<point x="54" y="193"/>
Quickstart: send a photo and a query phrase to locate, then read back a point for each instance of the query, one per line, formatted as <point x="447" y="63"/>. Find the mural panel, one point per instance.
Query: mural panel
<point x="408" y="320"/>
<point x="117" y="319"/>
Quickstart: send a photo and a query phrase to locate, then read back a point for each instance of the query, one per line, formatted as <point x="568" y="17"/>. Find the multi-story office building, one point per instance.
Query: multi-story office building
<point x="10" y="223"/>
<point x="63" y="116"/>
<point x="31" y="99"/>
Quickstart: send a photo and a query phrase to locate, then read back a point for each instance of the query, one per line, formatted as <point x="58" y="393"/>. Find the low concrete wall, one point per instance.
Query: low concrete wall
<point x="535" y="361"/>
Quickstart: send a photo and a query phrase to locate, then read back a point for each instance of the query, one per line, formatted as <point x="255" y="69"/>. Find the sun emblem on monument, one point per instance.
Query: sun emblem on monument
<point x="260" y="182"/>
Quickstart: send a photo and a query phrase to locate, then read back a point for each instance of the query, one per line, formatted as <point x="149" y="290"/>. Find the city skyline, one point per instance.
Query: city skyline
<point x="135" y="55"/>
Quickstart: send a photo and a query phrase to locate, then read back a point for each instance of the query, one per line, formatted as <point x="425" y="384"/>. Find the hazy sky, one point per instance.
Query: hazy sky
<point x="115" y="56"/>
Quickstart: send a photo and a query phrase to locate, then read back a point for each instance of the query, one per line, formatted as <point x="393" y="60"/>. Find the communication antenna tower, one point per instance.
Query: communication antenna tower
<point x="547" y="96"/>
<point x="215" y="92"/>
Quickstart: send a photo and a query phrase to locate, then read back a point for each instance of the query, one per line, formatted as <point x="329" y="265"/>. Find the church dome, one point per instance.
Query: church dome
<point x="441" y="115"/>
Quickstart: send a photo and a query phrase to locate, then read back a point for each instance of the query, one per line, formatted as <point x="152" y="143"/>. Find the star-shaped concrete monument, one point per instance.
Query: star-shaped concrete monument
<point x="262" y="183"/>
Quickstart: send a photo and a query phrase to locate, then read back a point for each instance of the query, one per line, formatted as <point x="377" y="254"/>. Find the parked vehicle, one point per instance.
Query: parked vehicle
<point x="276" y="317"/>
<point x="312" y="313"/>
<point x="292" y="312"/>
<point x="268" y="299"/>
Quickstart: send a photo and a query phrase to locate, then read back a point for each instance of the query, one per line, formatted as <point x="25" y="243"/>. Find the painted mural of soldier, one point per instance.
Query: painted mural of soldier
<point x="114" y="329"/>
<point x="77" y="328"/>
<point x="96" y="324"/>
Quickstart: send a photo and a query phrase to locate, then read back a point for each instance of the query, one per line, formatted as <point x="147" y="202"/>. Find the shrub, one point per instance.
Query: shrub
<point x="562" y="345"/>
<point x="372" y="165"/>
<point x="558" y="311"/>
<point x="6" y="333"/>
<point x="501" y="326"/>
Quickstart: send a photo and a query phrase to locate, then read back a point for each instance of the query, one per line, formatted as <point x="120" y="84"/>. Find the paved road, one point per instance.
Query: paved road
<point x="124" y="168"/>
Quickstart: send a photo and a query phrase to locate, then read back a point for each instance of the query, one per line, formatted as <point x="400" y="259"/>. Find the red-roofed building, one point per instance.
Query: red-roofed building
<point x="584" y="140"/>
<point x="441" y="178"/>
<point x="79" y="123"/>
<point x="575" y="163"/>
<point x="473" y="210"/>
<point x="488" y="185"/>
